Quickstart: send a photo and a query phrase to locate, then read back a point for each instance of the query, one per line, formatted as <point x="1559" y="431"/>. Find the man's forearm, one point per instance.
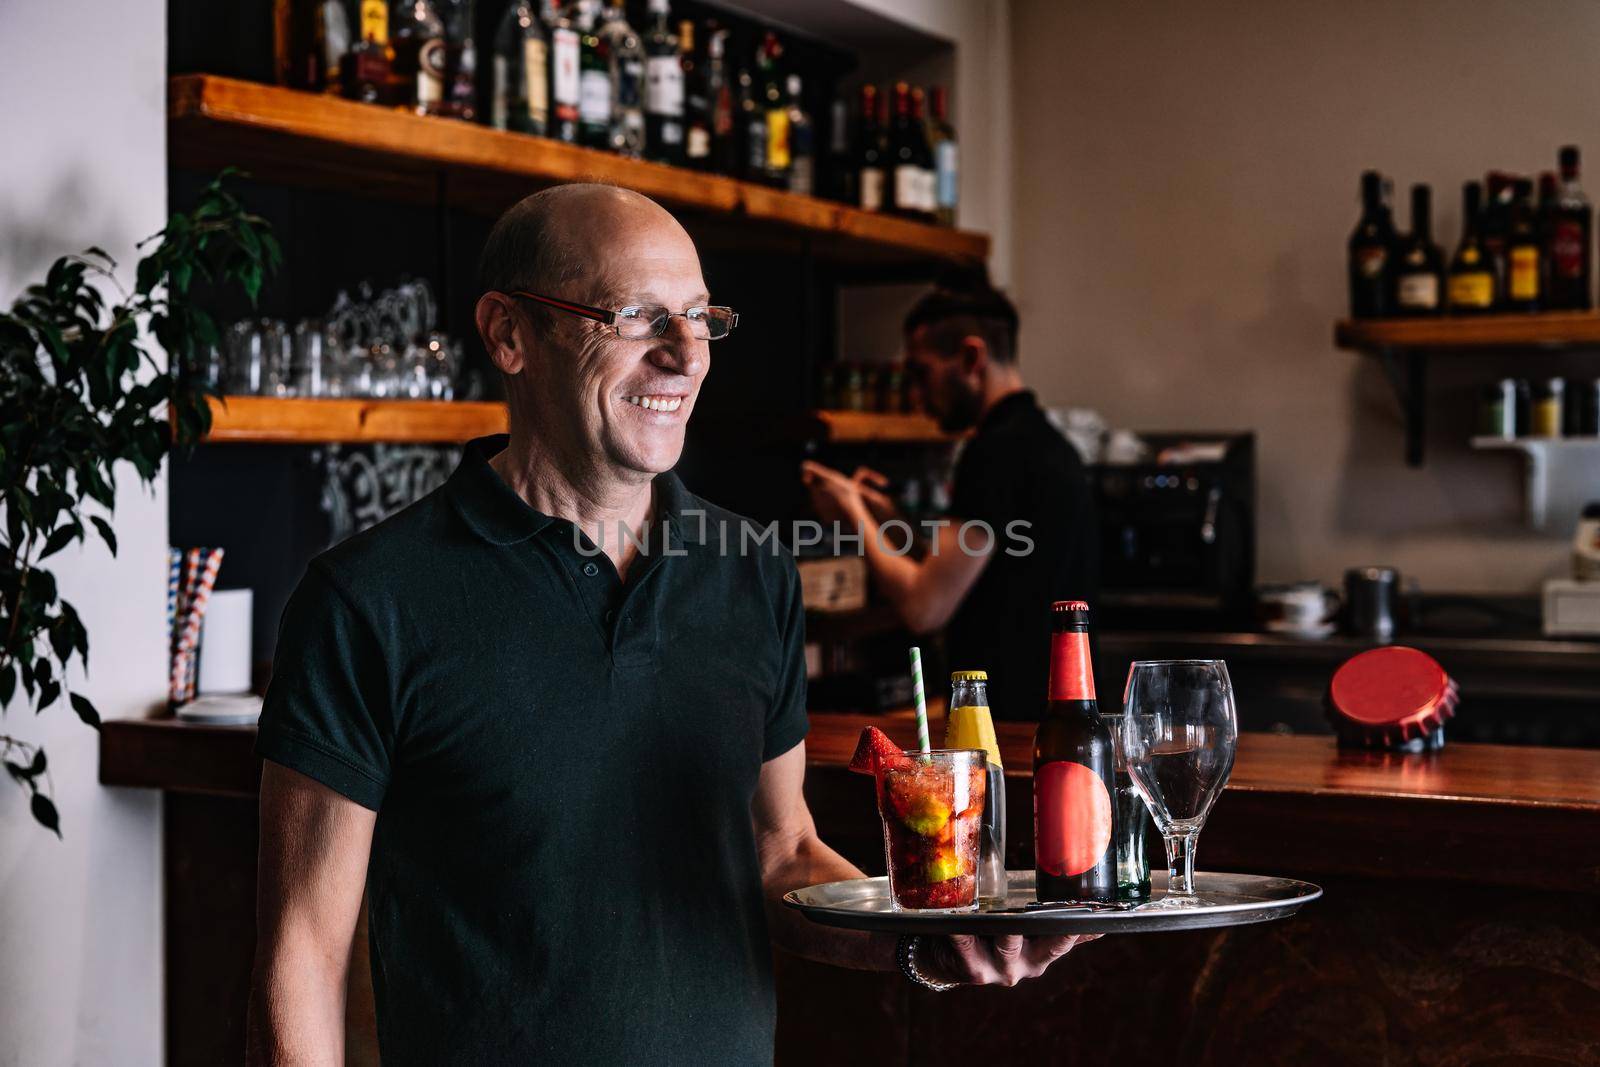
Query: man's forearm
<point x="296" y="1014"/>
<point x="808" y="863"/>
<point x="896" y="575"/>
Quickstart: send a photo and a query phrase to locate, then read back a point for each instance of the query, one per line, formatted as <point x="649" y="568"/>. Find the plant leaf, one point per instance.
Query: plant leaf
<point x="86" y="711"/>
<point x="59" y="540"/>
<point x="44" y="812"/>
<point x="105" y="532"/>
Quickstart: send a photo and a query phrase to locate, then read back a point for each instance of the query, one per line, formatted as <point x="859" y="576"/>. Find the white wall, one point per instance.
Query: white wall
<point x="1185" y="180"/>
<point x="80" y="928"/>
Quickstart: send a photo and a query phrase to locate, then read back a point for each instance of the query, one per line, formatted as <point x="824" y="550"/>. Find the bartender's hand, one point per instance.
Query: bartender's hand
<point x="837" y="498"/>
<point x="1003" y="961"/>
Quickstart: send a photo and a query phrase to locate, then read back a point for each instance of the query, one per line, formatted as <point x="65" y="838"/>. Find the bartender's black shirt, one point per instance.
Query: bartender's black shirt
<point x="563" y="869"/>
<point x="1018" y="468"/>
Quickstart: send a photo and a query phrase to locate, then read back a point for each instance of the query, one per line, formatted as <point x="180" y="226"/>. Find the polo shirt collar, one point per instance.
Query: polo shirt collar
<point x="1008" y="408"/>
<point x="498" y="515"/>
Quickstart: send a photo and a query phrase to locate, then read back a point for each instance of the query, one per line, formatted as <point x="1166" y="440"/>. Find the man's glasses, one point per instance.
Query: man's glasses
<point x="638" y="322"/>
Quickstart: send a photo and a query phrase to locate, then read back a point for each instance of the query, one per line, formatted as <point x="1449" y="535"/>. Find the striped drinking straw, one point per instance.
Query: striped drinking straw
<point x="920" y="697"/>
<point x="174" y="566"/>
<point x="184" y="674"/>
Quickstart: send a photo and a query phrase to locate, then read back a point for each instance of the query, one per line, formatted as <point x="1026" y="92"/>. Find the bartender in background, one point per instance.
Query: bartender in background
<point x="1017" y="474"/>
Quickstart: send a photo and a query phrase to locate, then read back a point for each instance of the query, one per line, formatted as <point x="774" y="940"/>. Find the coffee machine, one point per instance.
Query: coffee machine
<point x="1177" y="533"/>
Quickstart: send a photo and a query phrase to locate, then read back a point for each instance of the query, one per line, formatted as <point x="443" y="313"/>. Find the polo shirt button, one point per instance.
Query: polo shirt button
<point x="591" y="569"/>
<point x="610" y="616"/>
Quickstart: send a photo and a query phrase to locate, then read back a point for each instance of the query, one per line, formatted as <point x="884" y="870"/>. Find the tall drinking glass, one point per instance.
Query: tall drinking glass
<point x="1178" y="735"/>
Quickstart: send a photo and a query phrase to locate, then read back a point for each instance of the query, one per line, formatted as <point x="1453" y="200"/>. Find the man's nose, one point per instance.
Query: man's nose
<point x="679" y="350"/>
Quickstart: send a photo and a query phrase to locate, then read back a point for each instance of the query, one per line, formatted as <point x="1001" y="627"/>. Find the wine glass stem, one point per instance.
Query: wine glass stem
<point x="1180" y="863"/>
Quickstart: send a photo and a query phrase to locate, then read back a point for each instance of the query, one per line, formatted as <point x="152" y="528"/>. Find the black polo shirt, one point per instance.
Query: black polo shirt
<point x="1018" y="467"/>
<point x="564" y="869"/>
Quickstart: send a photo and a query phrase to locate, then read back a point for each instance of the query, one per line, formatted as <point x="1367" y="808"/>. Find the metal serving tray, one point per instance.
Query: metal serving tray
<point x="1226" y="900"/>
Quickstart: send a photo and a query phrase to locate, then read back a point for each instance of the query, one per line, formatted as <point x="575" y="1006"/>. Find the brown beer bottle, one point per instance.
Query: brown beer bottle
<point x="1074" y="773"/>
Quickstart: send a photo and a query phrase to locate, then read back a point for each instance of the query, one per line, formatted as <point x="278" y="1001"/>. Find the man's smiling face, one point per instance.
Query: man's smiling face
<point x="625" y="401"/>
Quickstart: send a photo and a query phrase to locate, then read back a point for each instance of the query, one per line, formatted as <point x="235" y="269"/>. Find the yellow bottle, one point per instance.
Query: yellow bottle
<point x="969" y="725"/>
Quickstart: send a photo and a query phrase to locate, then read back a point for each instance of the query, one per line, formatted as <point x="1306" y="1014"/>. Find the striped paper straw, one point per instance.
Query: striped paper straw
<point x="183" y="670"/>
<point x="174" y="566"/>
<point x="921" y="698"/>
<point x="177" y="682"/>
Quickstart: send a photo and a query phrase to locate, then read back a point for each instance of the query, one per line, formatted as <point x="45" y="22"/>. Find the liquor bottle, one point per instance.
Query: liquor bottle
<point x="663" y="96"/>
<point x="697" y="96"/>
<point x="928" y="189"/>
<point x="970" y="725"/>
<point x="1074" y="772"/>
<point x="1418" y="264"/>
<point x="839" y="177"/>
<point x="626" y="52"/>
<point x="594" y="79"/>
<point x="461" y="54"/>
<point x="520" y="96"/>
<point x="1472" y="277"/>
<point x="946" y="159"/>
<point x="802" y="143"/>
<point x="318" y="36"/>
<point x="1498" y="190"/>
<point x="871" y="171"/>
<point x="367" y="68"/>
<point x="752" y="124"/>
<point x="776" y="104"/>
<point x="1370" y="248"/>
<point x="724" y="143"/>
<point x="420" y="55"/>
<point x="1524" y="290"/>
<point x="565" y="79"/>
<point x="1568" y="253"/>
<point x="904" y="188"/>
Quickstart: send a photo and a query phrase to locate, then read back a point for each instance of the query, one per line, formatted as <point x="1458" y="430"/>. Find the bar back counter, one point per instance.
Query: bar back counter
<point x="1460" y="925"/>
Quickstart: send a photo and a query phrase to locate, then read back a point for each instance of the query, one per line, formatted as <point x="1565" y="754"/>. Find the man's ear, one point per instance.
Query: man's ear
<point x="974" y="355"/>
<point x="496" y="316"/>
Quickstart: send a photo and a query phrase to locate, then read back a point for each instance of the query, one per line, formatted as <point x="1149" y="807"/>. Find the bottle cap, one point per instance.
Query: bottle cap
<point x="969" y="676"/>
<point x="1392" y="697"/>
<point x="1070" y="605"/>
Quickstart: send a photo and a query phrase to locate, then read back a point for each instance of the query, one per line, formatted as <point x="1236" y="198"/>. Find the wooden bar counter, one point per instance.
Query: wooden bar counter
<point x="1460" y="925"/>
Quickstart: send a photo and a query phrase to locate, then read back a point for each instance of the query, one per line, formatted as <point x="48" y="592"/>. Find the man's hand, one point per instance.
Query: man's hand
<point x="1005" y="961"/>
<point x="854" y="500"/>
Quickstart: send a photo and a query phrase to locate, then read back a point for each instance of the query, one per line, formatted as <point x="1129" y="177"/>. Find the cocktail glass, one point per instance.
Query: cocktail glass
<point x="932" y="809"/>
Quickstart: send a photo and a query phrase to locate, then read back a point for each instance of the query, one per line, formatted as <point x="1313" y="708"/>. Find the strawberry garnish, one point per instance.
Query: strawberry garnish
<point x="875" y="753"/>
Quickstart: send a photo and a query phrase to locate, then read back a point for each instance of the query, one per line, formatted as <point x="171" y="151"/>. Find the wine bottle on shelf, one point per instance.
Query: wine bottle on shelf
<point x="627" y="59"/>
<point x="519" y="95"/>
<point x="871" y="166"/>
<point x="752" y="121"/>
<point x="904" y="186"/>
<point x="776" y="103"/>
<point x="1498" y="188"/>
<point x="461" y="55"/>
<point x="420" y="55"/>
<point x="565" y="76"/>
<point x="928" y="194"/>
<point x="802" y="143"/>
<point x="1371" y="246"/>
<point x="946" y="159"/>
<point x="697" y="96"/>
<point x="1472" y="279"/>
<point x="1418" y="264"/>
<point x="594" y="78"/>
<point x="663" y="97"/>
<point x="1524" y="252"/>
<point x="367" y="70"/>
<point x="724" y="108"/>
<point x="840" y="173"/>
<point x="1569" y="254"/>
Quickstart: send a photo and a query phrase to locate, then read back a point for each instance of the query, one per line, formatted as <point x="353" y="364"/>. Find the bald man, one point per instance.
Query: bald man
<point x="549" y="720"/>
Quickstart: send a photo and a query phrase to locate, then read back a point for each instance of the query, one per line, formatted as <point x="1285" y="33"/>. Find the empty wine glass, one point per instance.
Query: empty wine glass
<point x="1178" y="733"/>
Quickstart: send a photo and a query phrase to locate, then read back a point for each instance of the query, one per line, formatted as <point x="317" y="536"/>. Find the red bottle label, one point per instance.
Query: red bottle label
<point x="1071" y="676"/>
<point x="1071" y="818"/>
<point x="1567" y="249"/>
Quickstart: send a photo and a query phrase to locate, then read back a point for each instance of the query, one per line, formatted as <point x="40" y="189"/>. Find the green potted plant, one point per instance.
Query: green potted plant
<point x="80" y="393"/>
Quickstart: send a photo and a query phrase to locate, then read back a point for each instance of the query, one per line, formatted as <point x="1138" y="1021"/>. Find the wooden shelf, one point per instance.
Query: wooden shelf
<point x="274" y="420"/>
<point x="1545" y="329"/>
<point x="320" y="140"/>
<point x="868" y="427"/>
